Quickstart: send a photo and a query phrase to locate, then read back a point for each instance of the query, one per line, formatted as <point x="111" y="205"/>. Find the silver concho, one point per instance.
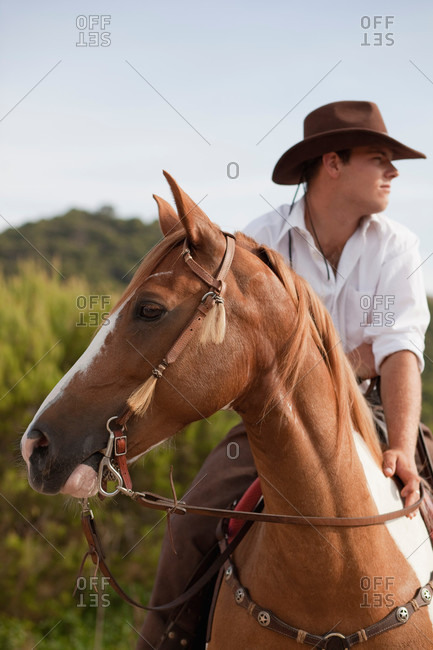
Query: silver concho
<point x="426" y="595"/>
<point x="239" y="595"/>
<point x="402" y="615"/>
<point x="264" y="618"/>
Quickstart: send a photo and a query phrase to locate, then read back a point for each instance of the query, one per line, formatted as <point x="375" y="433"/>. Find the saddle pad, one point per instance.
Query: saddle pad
<point x="247" y="503"/>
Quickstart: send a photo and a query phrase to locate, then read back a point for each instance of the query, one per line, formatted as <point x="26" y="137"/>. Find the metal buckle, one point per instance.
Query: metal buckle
<point x="209" y="293"/>
<point x="116" y="440"/>
<point x="335" y="635"/>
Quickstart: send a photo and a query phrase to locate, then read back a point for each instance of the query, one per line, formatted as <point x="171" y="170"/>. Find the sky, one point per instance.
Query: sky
<point x="99" y="97"/>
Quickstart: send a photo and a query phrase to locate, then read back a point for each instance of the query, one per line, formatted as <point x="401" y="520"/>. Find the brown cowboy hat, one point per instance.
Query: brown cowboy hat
<point x="336" y="126"/>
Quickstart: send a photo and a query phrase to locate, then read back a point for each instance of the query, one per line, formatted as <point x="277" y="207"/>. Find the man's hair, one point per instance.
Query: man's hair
<point x="311" y="167"/>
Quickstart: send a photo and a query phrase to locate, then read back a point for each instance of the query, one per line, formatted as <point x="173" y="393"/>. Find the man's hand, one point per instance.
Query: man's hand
<point x="396" y="461"/>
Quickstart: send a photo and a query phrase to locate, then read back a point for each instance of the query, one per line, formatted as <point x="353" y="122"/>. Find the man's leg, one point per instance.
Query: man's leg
<point x="226" y="474"/>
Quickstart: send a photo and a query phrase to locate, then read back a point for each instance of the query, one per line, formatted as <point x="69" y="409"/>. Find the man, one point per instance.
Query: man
<point x="364" y="267"/>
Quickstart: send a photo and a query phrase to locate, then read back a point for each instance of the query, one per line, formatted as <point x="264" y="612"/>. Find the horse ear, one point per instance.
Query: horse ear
<point x="168" y="218"/>
<point x="193" y="219"/>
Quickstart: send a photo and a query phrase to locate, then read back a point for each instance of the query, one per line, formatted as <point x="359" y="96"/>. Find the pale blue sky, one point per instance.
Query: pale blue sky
<point x="218" y="77"/>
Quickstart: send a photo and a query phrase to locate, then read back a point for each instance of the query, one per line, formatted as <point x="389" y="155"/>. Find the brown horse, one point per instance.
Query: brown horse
<point x="271" y="353"/>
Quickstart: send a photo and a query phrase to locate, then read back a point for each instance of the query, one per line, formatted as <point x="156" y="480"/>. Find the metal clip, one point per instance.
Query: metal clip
<point x="106" y="464"/>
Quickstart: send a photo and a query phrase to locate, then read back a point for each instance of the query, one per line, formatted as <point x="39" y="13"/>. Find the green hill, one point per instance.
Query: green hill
<point x="98" y="246"/>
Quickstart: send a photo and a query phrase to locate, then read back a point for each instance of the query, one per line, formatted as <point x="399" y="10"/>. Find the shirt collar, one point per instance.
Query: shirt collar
<point x="296" y="220"/>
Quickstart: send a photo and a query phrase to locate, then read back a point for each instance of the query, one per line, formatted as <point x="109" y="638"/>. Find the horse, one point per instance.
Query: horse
<point x="265" y="346"/>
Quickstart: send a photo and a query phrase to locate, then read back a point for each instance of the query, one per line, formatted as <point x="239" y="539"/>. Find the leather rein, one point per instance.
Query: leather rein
<point x="116" y="451"/>
<point x="114" y="464"/>
<point x="117" y="443"/>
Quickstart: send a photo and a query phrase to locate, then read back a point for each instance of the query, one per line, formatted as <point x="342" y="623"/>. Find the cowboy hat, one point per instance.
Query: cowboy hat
<point x="333" y="127"/>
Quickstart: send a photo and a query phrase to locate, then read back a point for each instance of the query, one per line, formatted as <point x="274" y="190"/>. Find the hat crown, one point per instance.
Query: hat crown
<point x="344" y="115"/>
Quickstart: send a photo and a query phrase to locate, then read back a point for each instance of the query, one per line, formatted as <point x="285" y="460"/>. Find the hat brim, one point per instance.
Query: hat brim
<point x="288" y="169"/>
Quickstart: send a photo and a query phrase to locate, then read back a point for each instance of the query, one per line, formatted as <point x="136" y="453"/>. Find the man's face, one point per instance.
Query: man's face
<point x="365" y="180"/>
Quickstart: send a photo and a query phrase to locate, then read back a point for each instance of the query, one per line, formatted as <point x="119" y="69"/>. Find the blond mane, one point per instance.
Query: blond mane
<point x="312" y="317"/>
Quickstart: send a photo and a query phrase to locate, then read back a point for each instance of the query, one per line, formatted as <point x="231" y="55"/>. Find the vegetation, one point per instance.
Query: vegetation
<point x="95" y="245"/>
<point x="46" y="323"/>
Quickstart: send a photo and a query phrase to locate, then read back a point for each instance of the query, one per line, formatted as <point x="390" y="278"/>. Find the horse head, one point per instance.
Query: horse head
<point x="118" y="373"/>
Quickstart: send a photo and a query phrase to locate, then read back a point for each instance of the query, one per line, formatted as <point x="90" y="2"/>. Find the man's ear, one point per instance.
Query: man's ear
<point x="168" y="218"/>
<point x="332" y="163"/>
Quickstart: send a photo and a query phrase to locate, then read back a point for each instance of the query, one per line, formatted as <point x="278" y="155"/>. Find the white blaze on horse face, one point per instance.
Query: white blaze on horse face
<point x="410" y="535"/>
<point x="158" y="275"/>
<point x="82" y="365"/>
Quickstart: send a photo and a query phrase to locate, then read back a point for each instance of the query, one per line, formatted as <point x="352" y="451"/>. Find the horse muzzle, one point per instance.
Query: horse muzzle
<point x="48" y="473"/>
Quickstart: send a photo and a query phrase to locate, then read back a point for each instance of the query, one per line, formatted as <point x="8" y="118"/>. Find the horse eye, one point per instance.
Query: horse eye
<point x="150" y="311"/>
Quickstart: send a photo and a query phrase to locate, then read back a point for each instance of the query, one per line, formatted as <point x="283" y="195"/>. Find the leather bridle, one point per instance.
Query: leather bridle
<point x="117" y="442"/>
<point x="114" y="465"/>
<point x="114" y="455"/>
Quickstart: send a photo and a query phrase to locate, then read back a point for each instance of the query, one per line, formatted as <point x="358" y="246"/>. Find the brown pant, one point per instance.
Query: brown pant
<point x="226" y="474"/>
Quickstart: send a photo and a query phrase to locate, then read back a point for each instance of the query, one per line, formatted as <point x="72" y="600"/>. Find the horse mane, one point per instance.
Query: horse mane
<point x="353" y="411"/>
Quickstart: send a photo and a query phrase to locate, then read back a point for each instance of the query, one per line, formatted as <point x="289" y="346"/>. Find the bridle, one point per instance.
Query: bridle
<point x="114" y="455"/>
<point x="117" y="442"/>
<point x="114" y="465"/>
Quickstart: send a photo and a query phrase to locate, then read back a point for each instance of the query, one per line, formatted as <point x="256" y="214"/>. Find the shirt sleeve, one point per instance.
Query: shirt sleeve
<point x="260" y="230"/>
<point x="269" y="228"/>
<point x="400" y="313"/>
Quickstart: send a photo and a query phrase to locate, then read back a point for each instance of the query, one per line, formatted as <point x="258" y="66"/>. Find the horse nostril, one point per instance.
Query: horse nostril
<point x="32" y="441"/>
<point x="40" y="439"/>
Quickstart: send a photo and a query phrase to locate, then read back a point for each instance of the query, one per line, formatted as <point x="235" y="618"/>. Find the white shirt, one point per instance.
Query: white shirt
<point x="377" y="295"/>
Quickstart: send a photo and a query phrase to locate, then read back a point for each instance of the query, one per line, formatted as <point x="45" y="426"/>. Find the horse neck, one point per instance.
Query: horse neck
<point x="294" y="445"/>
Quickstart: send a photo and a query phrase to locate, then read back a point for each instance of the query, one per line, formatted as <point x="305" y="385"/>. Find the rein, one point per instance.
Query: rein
<point x="173" y="506"/>
<point x="117" y="443"/>
<point x="114" y="464"/>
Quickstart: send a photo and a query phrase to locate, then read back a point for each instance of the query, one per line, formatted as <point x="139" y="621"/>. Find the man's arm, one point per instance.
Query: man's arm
<point x="400" y="388"/>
